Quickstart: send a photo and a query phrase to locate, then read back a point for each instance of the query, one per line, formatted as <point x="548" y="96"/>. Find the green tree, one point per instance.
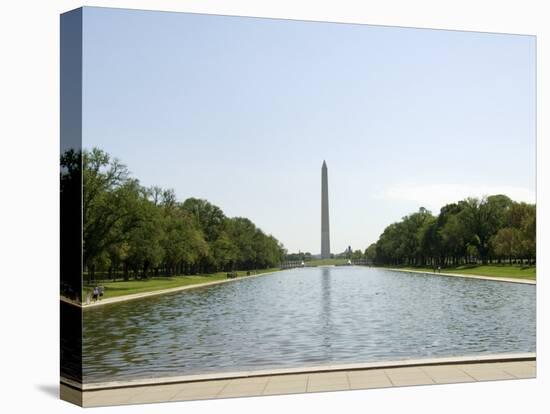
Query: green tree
<point x="109" y="206"/>
<point x="148" y="232"/>
<point x="242" y="232"/>
<point x="463" y="232"/>
<point x="145" y="249"/>
<point x="225" y="252"/>
<point x="482" y="219"/>
<point x="209" y="217"/>
<point x="507" y="243"/>
<point x="370" y="253"/>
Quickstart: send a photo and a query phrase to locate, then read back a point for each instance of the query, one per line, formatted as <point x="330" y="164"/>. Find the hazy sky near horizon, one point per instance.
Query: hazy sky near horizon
<point x="243" y="111"/>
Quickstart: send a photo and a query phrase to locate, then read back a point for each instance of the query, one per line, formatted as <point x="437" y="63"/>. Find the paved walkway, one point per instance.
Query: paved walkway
<point x="134" y="296"/>
<point x="351" y="379"/>
<point x="497" y="279"/>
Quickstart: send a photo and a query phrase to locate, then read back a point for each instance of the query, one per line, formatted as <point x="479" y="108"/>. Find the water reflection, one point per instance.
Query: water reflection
<point x="306" y="317"/>
<point x="326" y="322"/>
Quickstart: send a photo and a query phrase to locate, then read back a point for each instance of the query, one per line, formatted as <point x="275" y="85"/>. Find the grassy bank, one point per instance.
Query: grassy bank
<point x="122" y="288"/>
<point x="326" y="262"/>
<point x="512" y="271"/>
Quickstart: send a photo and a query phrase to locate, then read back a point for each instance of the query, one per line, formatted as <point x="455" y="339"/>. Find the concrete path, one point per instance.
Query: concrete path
<point x="134" y="296"/>
<point x="391" y="375"/>
<point x="496" y="279"/>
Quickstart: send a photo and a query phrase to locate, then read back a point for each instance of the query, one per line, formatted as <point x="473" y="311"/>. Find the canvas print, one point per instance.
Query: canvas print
<point x="255" y="206"/>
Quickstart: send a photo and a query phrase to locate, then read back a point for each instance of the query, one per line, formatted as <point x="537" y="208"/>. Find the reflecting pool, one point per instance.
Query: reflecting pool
<point x="305" y="317"/>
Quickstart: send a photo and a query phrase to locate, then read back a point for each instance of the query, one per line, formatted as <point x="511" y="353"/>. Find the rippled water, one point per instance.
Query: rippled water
<point x="302" y="317"/>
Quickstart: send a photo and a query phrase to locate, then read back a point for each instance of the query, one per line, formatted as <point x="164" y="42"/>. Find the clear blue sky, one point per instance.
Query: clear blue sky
<point x="243" y="111"/>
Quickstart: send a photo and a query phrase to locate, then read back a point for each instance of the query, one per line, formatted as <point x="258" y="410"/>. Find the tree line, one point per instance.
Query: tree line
<point x="133" y="231"/>
<point x="493" y="229"/>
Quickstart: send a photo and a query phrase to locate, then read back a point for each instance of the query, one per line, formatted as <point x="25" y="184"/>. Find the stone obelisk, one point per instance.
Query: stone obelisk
<point x="325" y="232"/>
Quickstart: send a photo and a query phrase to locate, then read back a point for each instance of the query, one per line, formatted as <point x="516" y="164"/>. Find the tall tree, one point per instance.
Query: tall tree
<point x="110" y="199"/>
<point x="465" y="231"/>
<point x="148" y="232"/>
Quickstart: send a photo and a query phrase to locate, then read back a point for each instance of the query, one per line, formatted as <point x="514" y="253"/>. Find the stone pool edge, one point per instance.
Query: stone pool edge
<point x="468" y="359"/>
<point x="480" y="277"/>
<point x="134" y="296"/>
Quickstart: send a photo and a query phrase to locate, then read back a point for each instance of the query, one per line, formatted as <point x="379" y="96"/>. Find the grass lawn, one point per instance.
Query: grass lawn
<point x="513" y="271"/>
<point x="325" y="262"/>
<point x="121" y="288"/>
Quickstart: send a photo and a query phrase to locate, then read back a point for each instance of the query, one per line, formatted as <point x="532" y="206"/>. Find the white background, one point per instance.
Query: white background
<point x="29" y="122"/>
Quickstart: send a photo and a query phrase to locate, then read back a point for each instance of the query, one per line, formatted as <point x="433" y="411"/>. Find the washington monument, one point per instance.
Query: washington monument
<point x="325" y="231"/>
